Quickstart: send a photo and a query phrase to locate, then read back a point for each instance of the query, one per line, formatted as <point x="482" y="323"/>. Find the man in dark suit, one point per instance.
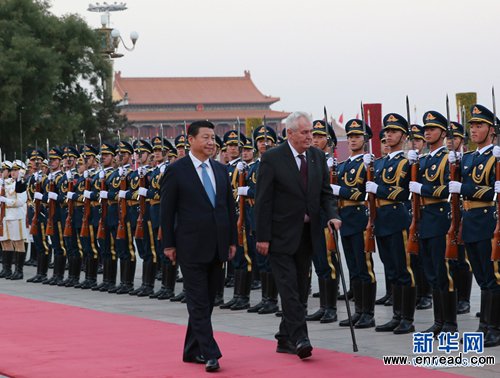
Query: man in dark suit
<point x="293" y="185"/>
<point x="198" y="221"/>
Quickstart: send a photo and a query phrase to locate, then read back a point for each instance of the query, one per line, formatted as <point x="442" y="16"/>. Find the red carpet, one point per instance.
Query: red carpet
<point x="42" y="339"/>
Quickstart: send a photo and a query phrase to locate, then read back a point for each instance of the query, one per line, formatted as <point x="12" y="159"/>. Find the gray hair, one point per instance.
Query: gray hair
<point x="292" y="121"/>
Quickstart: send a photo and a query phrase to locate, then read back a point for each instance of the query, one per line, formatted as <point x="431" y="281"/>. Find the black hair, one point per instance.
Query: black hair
<point x="194" y="128"/>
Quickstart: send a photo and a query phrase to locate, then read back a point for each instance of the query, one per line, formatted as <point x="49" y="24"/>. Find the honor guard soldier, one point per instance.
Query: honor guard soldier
<point x="432" y="187"/>
<point x="353" y="211"/>
<point x="323" y="139"/>
<point x="139" y="210"/>
<point x="390" y="187"/>
<point x="54" y="198"/>
<point x="13" y="199"/>
<point x="181" y="144"/>
<point x="218" y="147"/>
<point x="37" y="216"/>
<point x="73" y="247"/>
<point x="87" y="199"/>
<point x="120" y="185"/>
<point x="169" y="269"/>
<point x="478" y="222"/>
<point x="265" y="138"/>
<point x="461" y="268"/>
<point x="424" y="290"/>
<point x="242" y="262"/>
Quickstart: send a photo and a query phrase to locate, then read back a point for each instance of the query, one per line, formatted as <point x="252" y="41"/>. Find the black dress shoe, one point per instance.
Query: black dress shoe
<point x="212" y="365"/>
<point x="304" y="348"/>
<point x="285" y="346"/>
<point x="196" y="359"/>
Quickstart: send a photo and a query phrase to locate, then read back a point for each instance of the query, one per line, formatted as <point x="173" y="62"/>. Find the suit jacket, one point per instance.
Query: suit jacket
<point x="281" y="202"/>
<point x="189" y="222"/>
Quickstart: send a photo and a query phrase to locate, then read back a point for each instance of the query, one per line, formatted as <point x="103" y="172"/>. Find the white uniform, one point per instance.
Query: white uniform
<point x="15" y="213"/>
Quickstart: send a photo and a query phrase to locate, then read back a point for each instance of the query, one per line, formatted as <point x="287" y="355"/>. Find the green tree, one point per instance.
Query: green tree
<point x="51" y="75"/>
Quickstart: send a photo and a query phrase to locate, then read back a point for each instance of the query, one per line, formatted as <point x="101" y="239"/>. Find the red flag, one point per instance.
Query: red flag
<point x="341" y="118"/>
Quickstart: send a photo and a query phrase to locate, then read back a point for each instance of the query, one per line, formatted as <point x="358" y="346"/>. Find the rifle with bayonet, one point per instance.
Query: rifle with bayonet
<point x="412" y="246"/>
<point x="122" y="202"/>
<point x="68" y="226"/>
<point x="331" y="245"/>
<point x="38" y="188"/>
<point x="139" y="228"/>
<point x="371" y="204"/>
<point x="52" y="204"/>
<point x="241" y="199"/>
<point x="84" y="232"/>
<point x="101" y="229"/>
<point x="452" y="236"/>
<point x="495" y="241"/>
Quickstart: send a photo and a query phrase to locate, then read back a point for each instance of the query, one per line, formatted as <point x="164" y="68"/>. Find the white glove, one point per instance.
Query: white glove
<point x="38" y="196"/>
<point x="10" y="201"/>
<point x="241" y="166"/>
<point x="331" y="162"/>
<point x="85" y="174"/>
<point x="335" y="189"/>
<point x="455" y="187"/>
<point x="496" y="152"/>
<point x="3" y="199"/>
<point x="243" y="190"/>
<point x="413" y="155"/>
<point x="415" y="187"/>
<point x="103" y="194"/>
<point x="453" y="157"/>
<point x="50" y="176"/>
<point x="142" y="171"/>
<point x="69" y="175"/>
<point x="69" y="195"/>
<point x="120" y="171"/>
<point x="1" y="182"/>
<point x="21" y="175"/>
<point x="87" y="194"/>
<point x="53" y="196"/>
<point x="35" y="176"/>
<point x="371" y="187"/>
<point x="497" y="186"/>
<point x="368" y="159"/>
<point x="122" y="193"/>
<point x="162" y="168"/>
<point x="143" y="192"/>
<point x="102" y="175"/>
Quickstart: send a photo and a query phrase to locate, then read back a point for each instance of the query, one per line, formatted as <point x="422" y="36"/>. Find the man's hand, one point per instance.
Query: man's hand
<point x="170" y="253"/>
<point x="232" y="252"/>
<point x="263" y="248"/>
<point x="336" y="223"/>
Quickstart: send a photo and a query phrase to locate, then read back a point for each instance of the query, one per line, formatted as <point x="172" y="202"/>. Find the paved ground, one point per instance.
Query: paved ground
<point x="329" y="336"/>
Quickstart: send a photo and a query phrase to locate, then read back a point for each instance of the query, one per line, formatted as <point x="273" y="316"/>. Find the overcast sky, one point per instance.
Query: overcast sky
<point x="319" y="52"/>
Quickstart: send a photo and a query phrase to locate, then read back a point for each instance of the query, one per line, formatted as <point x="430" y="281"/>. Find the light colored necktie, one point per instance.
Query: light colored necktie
<point x="207" y="183"/>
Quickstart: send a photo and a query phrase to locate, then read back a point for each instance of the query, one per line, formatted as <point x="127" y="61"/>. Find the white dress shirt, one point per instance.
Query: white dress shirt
<point x="197" y="164"/>
<point x="296" y="155"/>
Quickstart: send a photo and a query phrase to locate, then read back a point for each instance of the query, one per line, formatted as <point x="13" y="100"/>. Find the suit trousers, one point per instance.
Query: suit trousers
<point x="200" y="284"/>
<point x="291" y="273"/>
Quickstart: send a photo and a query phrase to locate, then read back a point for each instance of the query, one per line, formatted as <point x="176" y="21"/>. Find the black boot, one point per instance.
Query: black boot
<point x="316" y="316"/>
<point x="438" y="313"/>
<point x="245" y="282"/>
<point x="357" y="294"/>
<point x="332" y="290"/>
<point x="407" y="311"/>
<point x="464" y="286"/>
<point x="113" y="267"/>
<point x="43" y="266"/>
<point x="77" y="269"/>
<point x="71" y="268"/>
<point x="106" y="272"/>
<point x="271" y="304"/>
<point x="169" y="280"/>
<point x="179" y="297"/>
<point x="6" y="264"/>
<point x="128" y="285"/>
<point x="350" y="293"/>
<point x="492" y="337"/>
<point x="396" y="311"/>
<point x="19" y="262"/>
<point x="149" y="280"/>
<point x="85" y="265"/>
<point x="92" y="265"/>
<point x="38" y="276"/>
<point x="424" y="301"/>
<point x="258" y="306"/>
<point x="449" y="299"/>
<point x="484" y="313"/>
<point x="236" y="293"/>
<point x="388" y="293"/>
<point x="143" y="279"/>
<point x="369" y="291"/>
<point x="122" y="278"/>
<point x="59" y="266"/>
<point x="163" y="282"/>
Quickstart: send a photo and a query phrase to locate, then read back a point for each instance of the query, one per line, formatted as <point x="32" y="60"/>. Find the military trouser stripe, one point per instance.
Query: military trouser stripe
<point x="245" y="251"/>
<point x="466" y="259"/>
<point x="496" y="271"/>
<point x="369" y="267"/>
<point x="61" y="238"/>
<point x="152" y="241"/>
<point x="333" y="271"/>
<point x="79" y="244"/>
<point x="131" y="249"/>
<point x="44" y="239"/>
<point x="451" y="283"/>
<point x="92" y="242"/>
<point x="112" y="246"/>
<point x="408" y="260"/>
